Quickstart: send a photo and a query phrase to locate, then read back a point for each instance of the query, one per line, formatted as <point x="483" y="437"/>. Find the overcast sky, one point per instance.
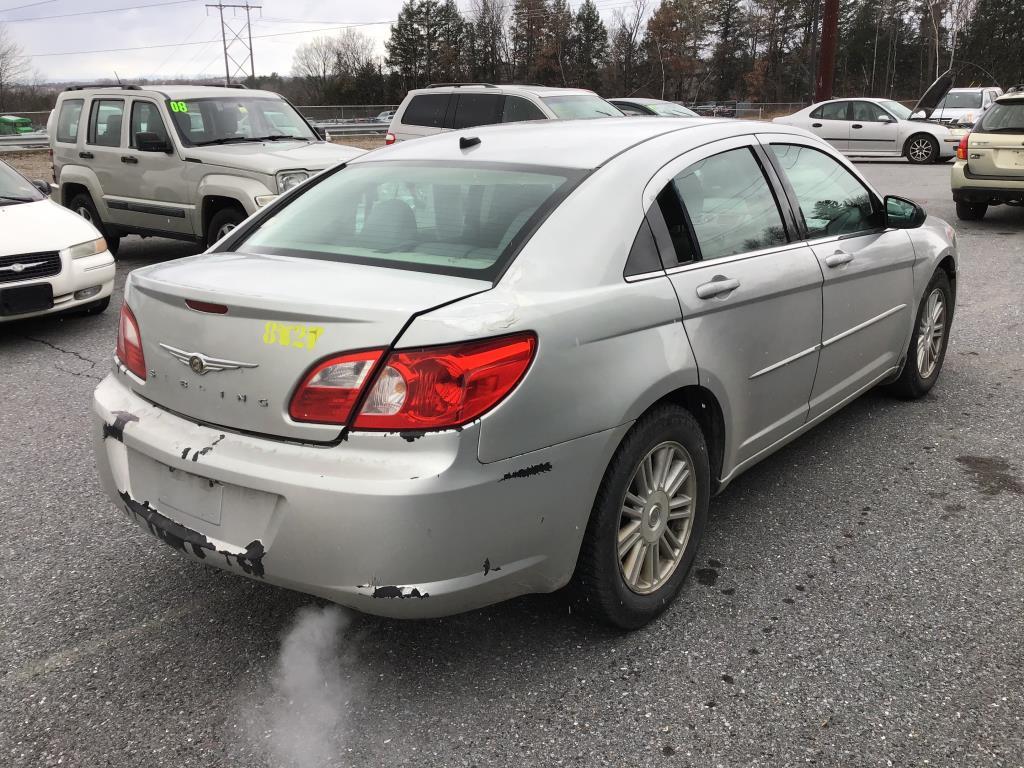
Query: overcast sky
<point x="188" y="32"/>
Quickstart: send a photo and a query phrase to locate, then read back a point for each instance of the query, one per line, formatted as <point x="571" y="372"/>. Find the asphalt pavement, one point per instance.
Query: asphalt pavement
<point x="857" y="601"/>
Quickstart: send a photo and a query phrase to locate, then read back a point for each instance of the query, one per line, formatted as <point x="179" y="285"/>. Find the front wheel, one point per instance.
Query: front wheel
<point x="222" y="223"/>
<point x="928" y="343"/>
<point x="922" y="149"/>
<point x="971" y="211"/>
<point x="647" y="521"/>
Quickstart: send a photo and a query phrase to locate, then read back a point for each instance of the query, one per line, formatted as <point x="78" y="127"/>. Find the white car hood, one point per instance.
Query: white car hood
<point x="271" y="157"/>
<point x="41" y="226"/>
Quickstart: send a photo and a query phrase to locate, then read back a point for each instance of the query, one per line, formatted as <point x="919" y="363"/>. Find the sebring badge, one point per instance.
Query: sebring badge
<point x="202" y="364"/>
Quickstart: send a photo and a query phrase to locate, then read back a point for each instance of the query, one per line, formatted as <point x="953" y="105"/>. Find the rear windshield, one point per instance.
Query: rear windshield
<point x="579" y="106"/>
<point x="668" y="109"/>
<point x="961" y="100"/>
<point x="463" y="220"/>
<point x="1002" y="118"/>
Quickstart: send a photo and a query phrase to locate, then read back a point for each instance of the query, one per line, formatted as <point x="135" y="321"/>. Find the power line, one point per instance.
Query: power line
<point x="96" y="12"/>
<point x="27" y="5"/>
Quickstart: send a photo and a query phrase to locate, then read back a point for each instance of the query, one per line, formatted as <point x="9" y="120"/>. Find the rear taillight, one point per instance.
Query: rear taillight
<point x="328" y="393"/>
<point x="129" y="343"/>
<point x="389" y="138"/>
<point x="961" y="148"/>
<point x="419" y="389"/>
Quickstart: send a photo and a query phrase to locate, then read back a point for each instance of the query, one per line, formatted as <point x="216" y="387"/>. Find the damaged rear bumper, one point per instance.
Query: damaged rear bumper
<point x="381" y="523"/>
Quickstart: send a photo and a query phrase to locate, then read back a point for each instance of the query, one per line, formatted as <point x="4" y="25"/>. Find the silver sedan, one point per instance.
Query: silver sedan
<point x="505" y="360"/>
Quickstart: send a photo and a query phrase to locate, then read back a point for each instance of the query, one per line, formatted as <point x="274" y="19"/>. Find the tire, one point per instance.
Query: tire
<point x="223" y="222"/>
<point x="921" y="149"/>
<point x="97" y="307"/>
<point x="82" y="205"/>
<point x="923" y="365"/>
<point x="602" y="584"/>
<point x="971" y="211"/>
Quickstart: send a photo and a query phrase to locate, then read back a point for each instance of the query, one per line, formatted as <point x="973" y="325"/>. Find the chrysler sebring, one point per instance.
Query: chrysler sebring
<point x="508" y="359"/>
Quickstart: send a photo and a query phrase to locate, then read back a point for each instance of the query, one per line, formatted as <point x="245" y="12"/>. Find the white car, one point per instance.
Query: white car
<point x="875" y="128"/>
<point x="51" y="260"/>
<point x="965" y="105"/>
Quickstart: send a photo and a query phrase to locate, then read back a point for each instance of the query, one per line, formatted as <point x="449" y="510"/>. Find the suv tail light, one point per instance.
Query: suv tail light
<point x="389" y="138"/>
<point x="416" y="389"/>
<point x="961" y="148"/>
<point x="129" y="343"/>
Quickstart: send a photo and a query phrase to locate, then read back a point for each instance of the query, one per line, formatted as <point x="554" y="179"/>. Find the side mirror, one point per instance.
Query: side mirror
<point x="321" y="133"/>
<point x="901" y="213"/>
<point x="152" y="142"/>
<point x="43" y="186"/>
<point x="884" y="119"/>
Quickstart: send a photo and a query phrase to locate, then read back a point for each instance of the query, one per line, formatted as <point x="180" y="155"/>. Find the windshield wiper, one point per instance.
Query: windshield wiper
<point x="225" y="140"/>
<point x="278" y="137"/>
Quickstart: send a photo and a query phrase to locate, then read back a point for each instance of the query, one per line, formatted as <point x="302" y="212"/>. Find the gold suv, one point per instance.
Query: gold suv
<point x="989" y="168"/>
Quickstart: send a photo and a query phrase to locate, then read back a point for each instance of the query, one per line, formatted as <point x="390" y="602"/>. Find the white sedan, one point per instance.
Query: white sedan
<point x="875" y="128"/>
<point x="50" y="259"/>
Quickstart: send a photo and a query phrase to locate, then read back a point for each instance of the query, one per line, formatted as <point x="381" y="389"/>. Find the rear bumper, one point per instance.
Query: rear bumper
<point x="378" y="523"/>
<point x="76" y="275"/>
<point x="971" y="189"/>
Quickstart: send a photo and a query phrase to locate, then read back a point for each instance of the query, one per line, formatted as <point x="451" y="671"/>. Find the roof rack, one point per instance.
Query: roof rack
<point x="103" y="85"/>
<point x="460" y="85"/>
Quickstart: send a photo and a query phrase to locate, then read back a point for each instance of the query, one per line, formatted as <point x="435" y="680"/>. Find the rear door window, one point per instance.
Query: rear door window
<point x="477" y="109"/>
<point x="730" y="205"/>
<point x="68" y="120"/>
<point x="429" y="217"/>
<point x="834" y="110"/>
<point x="105" y="122"/>
<point x="832" y="200"/>
<point x="518" y="110"/>
<point x="427" y="109"/>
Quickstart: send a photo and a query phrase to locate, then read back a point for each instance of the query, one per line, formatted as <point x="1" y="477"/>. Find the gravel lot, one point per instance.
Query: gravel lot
<point x="857" y="602"/>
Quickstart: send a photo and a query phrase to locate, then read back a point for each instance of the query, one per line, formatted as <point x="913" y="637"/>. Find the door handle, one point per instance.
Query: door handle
<point x="86" y="155"/>
<point x="815" y="125"/>
<point x="856" y="125"/>
<point x="129" y="159"/>
<point x="718" y="286"/>
<point x="839" y="258"/>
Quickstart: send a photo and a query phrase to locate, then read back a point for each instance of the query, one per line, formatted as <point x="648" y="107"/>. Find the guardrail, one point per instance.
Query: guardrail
<point x="24" y="141"/>
<point x="365" y="128"/>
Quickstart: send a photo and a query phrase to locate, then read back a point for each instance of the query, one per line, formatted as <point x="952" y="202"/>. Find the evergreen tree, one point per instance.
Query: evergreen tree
<point x="727" y="56"/>
<point x="589" y="45"/>
<point x="404" y="47"/>
<point x="529" y="32"/>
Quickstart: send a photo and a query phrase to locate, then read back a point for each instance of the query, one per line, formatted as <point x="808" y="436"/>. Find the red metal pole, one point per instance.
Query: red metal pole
<point x="827" y="52"/>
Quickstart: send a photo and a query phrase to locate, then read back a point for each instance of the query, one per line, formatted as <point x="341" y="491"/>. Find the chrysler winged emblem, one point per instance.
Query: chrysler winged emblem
<point x="17" y="268"/>
<point x="201" y="364"/>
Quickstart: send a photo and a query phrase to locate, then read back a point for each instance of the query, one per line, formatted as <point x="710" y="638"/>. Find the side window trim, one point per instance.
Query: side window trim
<point x="785" y="196"/>
<point x="131" y="120"/>
<point x="766" y="142"/>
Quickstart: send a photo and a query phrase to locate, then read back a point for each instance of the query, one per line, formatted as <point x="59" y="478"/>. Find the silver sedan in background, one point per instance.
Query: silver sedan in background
<point x="512" y="358"/>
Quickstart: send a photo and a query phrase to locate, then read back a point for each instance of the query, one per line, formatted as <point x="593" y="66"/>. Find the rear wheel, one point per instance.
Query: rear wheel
<point x="971" y="211"/>
<point x="647" y="521"/>
<point x="82" y="205"/>
<point x="928" y="343"/>
<point x="922" y="149"/>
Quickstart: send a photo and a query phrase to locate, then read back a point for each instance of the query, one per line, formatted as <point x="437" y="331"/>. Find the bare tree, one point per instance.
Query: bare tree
<point x="353" y="50"/>
<point x="14" y="64"/>
<point x="315" y="63"/>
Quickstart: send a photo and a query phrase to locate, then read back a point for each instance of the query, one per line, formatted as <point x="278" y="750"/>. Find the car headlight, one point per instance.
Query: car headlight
<point x="90" y="248"/>
<point x="288" y="179"/>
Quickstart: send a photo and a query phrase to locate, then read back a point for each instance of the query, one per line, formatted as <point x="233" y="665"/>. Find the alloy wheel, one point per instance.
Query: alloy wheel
<point x="85" y="213"/>
<point x="920" y="150"/>
<point x="931" y="333"/>
<point x="224" y="230"/>
<point x="656" y="517"/>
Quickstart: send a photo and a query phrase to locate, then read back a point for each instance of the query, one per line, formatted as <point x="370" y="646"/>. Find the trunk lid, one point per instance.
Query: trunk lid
<point x="283" y="315"/>
<point x="996" y="154"/>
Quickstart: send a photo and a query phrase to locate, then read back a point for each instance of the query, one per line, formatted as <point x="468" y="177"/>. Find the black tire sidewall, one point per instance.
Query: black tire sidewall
<point x="222" y="217"/>
<point x="934" y="157"/>
<point x="911" y="384"/>
<point x="606" y="593"/>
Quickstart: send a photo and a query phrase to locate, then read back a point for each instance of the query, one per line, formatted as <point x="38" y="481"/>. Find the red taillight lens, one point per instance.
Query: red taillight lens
<point x="445" y="387"/>
<point x="129" y="343"/>
<point x="389" y="138"/>
<point x="329" y="392"/>
<point x="961" y="148"/>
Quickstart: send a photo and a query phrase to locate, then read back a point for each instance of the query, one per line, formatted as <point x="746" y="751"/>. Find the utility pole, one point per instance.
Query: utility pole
<point x="241" y="38"/>
<point x="827" y="52"/>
